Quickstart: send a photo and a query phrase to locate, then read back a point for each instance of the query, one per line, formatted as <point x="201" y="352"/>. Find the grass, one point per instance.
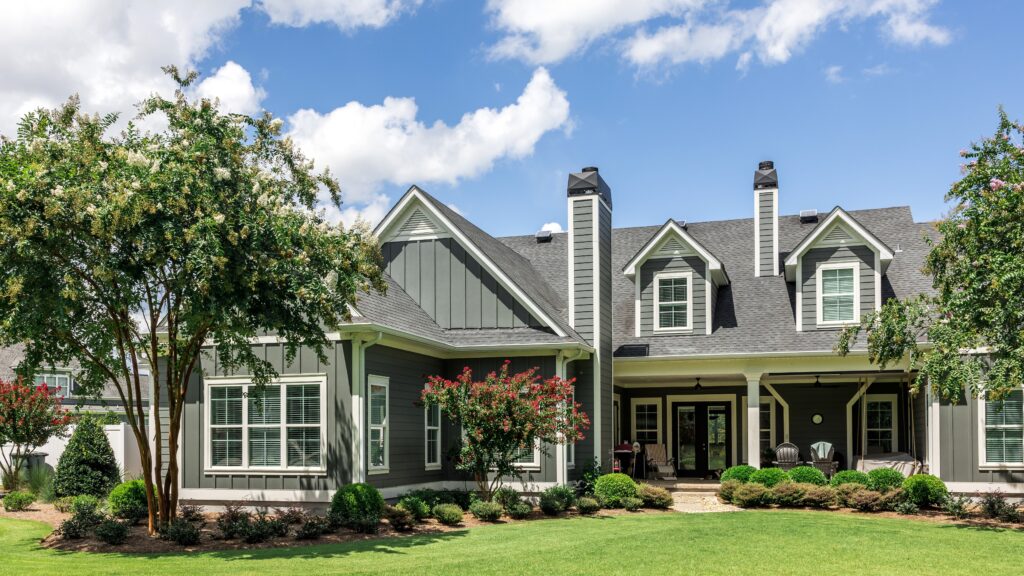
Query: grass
<point x="728" y="543"/>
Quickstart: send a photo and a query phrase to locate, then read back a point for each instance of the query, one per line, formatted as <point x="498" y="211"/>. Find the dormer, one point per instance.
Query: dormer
<point x="676" y="283"/>
<point x="838" y="269"/>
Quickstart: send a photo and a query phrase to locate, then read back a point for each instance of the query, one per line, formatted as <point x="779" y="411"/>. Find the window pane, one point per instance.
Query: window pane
<point x="265" y="447"/>
<point x="271" y="413"/>
<point x="434" y="416"/>
<point x="1009" y="412"/>
<point x="376" y="446"/>
<point x="672" y="316"/>
<point x="378" y="405"/>
<point x="226" y="446"/>
<point x="304" y="404"/>
<point x="226" y="405"/>
<point x="836" y="308"/>
<point x="525" y="456"/>
<point x="433" y="445"/>
<point x="303" y="446"/>
<point x="766" y="416"/>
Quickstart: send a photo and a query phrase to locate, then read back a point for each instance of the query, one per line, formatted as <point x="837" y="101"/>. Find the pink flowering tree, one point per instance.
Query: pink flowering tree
<point x="29" y="417"/>
<point x="504" y="416"/>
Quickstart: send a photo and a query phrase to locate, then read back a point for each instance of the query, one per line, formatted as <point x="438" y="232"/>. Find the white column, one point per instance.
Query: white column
<point x="561" y="462"/>
<point x="753" y="419"/>
<point x="357" y="430"/>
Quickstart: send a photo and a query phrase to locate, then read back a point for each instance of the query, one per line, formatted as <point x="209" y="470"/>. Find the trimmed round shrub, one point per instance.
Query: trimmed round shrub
<point x="182" y="532"/>
<point x="751" y="495"/>
<point x="789" y="494"/>
<point x="819" y="496"/>
<point x="127" y="501"/>
<point x="87" y="465"/>
<point x="448" y="514"/>
<point x="520" y="510"/>
<point x="632" y="504"/>
<point x="893" y="499"/>
<point x="769" y="477"/>
<point x="925" y="490"/>
<point x="845" y="492"/>
<point x="564" y="494"/>
<point x="415" y="506"/>
<point x="486" y="511"/>
<point x="885" y="479"/>
<point x="587" y="505"/>
<point x="807" y="475"/>
<point x="550" y="505"/>
<point x="849" y="477"/>
<point x="86" y="507"/>
<point x="113" y="532"/>
<point x="725" y="491"/>
<point x="506" y="497"/>
<point x="400" y="519"/>
<point x="865" y="500"/>
<point x="740" y="473"/>
<point x="612" y="488"/>
<point x="654" y="496"/>
<point x="18" y="500"/>
<point x="358" y="506"/>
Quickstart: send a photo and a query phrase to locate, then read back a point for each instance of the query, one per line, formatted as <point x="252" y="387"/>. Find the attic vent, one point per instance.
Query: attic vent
<point x="633" y="350"/>
<point x="417" y="224"/>
<point x="543" y="236"/>
<point x="808" y="216"/>
<point x="673" y="247"/>
<point x="837" y="235"/>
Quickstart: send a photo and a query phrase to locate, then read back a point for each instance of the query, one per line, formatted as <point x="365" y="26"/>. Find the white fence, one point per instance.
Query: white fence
<point x="121" y="439"/>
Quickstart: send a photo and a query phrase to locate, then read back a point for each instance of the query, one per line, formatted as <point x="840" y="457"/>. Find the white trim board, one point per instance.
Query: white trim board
<point x="656" y="293"/>
<point x="818" y="295"/>
<point x="885" y="255"/>
<point x="633" y="403"/>
<point x="673" y="227"/>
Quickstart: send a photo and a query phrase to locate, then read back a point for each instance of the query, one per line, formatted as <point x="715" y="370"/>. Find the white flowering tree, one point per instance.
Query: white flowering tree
<point x="127" y="253"/>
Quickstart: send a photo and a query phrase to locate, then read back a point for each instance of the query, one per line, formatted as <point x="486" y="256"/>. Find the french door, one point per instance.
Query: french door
<point x="702" y="437"/>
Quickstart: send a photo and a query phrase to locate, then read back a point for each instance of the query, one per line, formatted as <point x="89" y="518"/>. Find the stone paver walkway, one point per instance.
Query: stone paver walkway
<point x="699" y="502"/>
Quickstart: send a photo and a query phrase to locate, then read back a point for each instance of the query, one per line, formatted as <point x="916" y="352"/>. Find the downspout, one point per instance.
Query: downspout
<point x="359" y="347"/>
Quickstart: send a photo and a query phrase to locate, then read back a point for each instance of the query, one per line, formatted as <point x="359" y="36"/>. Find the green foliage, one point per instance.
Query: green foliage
<point x="727" y="488"/>
<point x="519" y="510"/>
<point x="807" y="475"/>
<point x="789" y="494"/>
<point x="85" y="516"/>
<point x="415" y="506"/>
<point x="39" y="481"/>
<point x="111" y="531"/>
<point x="312" y="528"/>
<point x="885" y="479"/>
<point x="87" y="465"/>
<point x="751" y="495"/>
<point x="632" y="504"/>
<point x="18" y="501"/>
<point x="925" y="490"/>
<point x="85" y="505"/>
<point x="740" y="473"/>
<point x="587" y="505"/>
<point x="63" y="504"/>
<point x="358" y="506"/>
<point x="232" y="521"/>
<point x="819" y="496"/>
<point x="290" y="515"/>
<point x="591" y="472"/>
<point x="462" y="498"/>
<point x="182" y="532"/>
<point x="850" y="477"/>
<point x="845" y="493"/>
<point x="190" y="512"/>
<point x="906" y="507"/>
<point x="127" y="501"/>
<point x="977" y="269"/>
<point x="769" y="477"/>
<point x="29" y="416"/>
<point x="556" y="500"/>
<point x="958" y="507"/>
<point x="892" y="499"/>
<point x="654" y="496"/>
<point x="506" y="497"/>
<point x="993" y="504"/>
<point x="486" y="511"/>
<point x="864" y="500"/>
<point x="400" y="519"/>
<point x="610" y="489"/>
<point x="448" y="514"/>
<point x="261" y="528"/>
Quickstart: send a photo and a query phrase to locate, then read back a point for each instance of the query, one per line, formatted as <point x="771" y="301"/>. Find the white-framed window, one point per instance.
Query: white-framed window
<point x="379" y="452"/>
<point x="838" y="289"/>
<point x="672" y="310"/>
<point x="432" y="437"/>
<point x="284" y="430"/>
<point x="766" y="422"/>
<point x="880" y="423"/>
<point x="529" y="459"/>
<point x="646" y="420"/>
<point x="1001" y="436"/>
<point x="58" y="382"/>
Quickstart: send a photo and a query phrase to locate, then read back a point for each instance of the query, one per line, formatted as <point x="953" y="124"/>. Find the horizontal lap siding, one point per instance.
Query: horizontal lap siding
<point x="581" y="371"/>
<point x="583" y="267"/>
<point x="958" y="444"/>
<point x="339" y="404"/>
<point x="766" y="229"/>
<point x="685" y="264"/>
<point x="817" y="256"/>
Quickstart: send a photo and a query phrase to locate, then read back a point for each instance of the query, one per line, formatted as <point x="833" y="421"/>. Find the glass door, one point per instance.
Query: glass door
<point x="717" y="438"/>
<point x="686" y="448"/>
<point x="702" y="436"/>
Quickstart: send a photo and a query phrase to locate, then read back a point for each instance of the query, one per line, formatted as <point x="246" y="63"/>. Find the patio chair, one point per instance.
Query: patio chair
<point x="657" y="460"/>
<point x="823" y="458"/>
<point x="787" y="456"/>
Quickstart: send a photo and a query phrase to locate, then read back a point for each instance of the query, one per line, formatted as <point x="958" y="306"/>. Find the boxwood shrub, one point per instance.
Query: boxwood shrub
<point x="18" y="500"/>
<point x="415" y="506"/>
<point x="740" y="473"/>
<point x="654" y="496"/>
<point x="885" y="479"/>
<point x="486" y="511"/>
<point x="358" y="506"/>
<point x="520" y="510"/>
<point x="789" y="494"/>
<point x="127" y="501"/>
<point x="612" y="488"/>
<point x="769" y="477"/>
<point x="807" y="475"/>
<point x="849" y="477"/>
<point x="725" y="491"/>
<point x="925" y="490"/>
<point x="587" y="505"/>
<point x="751" y="495"/>
<point x="448" y="514"/>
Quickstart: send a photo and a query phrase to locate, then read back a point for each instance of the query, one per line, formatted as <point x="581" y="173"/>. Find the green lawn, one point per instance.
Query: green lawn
<point x="729" y="543"/>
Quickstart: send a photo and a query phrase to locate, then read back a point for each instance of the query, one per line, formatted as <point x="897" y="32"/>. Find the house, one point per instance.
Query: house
<point x="712" y="338"/>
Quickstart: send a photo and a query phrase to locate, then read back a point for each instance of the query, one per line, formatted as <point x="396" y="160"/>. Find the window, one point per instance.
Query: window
<point x="647" y="421"/>
<point x="251" y="432"/>
<point x="1003" y="431"/>
<point x="767" y="425"/>
<point x="529" y="458"/>
<point x="672" y="301"/>
<point x="880" y="423"/>
<point x="838" y="293"/>
<point x="378" y="424"/>
<point x="432" y="437"/>
<point x="56" y="382"/>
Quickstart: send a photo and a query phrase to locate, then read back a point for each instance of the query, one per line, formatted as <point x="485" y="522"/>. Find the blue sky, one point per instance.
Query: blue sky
<point x="864" y="106"/>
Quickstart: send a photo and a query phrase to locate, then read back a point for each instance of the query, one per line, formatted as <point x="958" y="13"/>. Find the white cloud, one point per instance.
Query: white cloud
<point x="882" y="69"/>
<point x="233" y="86"/>
<point x="345" y="14"/>
<point x="367" y="146"/>
<point x="554" y="227"/>
<point x="455" y="209"/>
<point x="700" y="31"/>
<point x="834" y="74"/>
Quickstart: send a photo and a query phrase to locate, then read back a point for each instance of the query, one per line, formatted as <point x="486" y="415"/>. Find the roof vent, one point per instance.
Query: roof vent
<point x="633" y="351"/>
<point x="682" y="224"/>
<point x="543" y="236"/>
<point x="808" y="216"/>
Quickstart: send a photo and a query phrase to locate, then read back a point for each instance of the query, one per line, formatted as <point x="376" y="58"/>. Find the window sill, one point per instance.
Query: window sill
<point x="432" y="467"/>
<point x="239" y="471"/>
<point x="992" y="467"/>
<point x="658" y="331"/>
<point x="375" y="471"/>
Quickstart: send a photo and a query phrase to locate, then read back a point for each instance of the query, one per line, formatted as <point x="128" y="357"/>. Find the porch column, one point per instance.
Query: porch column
<point x="753" y="418"/>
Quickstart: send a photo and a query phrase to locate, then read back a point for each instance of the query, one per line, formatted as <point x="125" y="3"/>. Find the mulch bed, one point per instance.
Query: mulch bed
<point x="931" y="516"/>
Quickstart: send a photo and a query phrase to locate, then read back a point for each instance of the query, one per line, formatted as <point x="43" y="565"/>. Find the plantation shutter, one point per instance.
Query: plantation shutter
<point x="1004" y="429"/>
<point x="837" y="294"/>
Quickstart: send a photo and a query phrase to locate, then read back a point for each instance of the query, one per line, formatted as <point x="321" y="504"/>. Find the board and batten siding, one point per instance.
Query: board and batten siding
<point x="339" y="412"/>
<point x="583" y="266"/>
<point x="451" y="286"/>
<point x="654" y="266"/>
<point x="766" y="231"/>
<point x="959" y="459"/>
<point x="808" y="281"/>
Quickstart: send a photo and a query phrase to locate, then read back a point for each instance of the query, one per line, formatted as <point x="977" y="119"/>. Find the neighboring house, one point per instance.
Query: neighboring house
<point x="713" y="338"/>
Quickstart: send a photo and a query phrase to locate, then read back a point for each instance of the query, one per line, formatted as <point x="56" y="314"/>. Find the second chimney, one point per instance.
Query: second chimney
<point x="766" y="220"/>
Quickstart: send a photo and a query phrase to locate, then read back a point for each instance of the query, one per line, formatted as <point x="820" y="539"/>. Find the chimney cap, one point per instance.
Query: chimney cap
<point x="588" y="182"/>
<point x="765" y="165"/>
<point x="766" y="176"/>
<point x="589" y="169"/>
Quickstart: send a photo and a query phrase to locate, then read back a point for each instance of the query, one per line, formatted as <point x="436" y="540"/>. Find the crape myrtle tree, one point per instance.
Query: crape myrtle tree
<point x="128" y="253"/>
<point x="29" y="417"/>
<point x="969" y="336"/>
<point x="503" y="416"/>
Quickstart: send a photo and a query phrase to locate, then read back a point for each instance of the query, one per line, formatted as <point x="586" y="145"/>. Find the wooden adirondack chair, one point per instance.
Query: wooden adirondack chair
<point x="787" y="456"/>
<point x="823" y="458"/>
<point x="657" y="460"/>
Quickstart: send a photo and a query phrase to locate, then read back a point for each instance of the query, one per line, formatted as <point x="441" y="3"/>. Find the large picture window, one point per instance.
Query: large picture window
<point x="838" y="293"/>
<point x="1002" y="426"/>
<point x="250" y="431"/>
<point x="379" y="412"/>
<point x="672" y="309"/>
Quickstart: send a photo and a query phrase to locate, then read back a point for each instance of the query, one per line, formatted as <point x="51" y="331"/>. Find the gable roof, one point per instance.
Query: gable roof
<point x="671" y="228"/>
<point x="837" y="214"/>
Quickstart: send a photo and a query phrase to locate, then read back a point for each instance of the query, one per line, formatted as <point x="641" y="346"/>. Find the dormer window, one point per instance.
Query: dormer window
<point x="838" y="293"/>
<point x="672" y="301"/>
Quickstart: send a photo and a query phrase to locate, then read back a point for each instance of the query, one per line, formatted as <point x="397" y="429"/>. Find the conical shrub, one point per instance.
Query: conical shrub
<point x="87" y="465"/>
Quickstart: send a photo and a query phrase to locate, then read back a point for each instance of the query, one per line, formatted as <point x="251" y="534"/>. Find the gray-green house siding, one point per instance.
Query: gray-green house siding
<point x="808" y="280"/>
<point x="691" y="264"/>
<point x="766" y="232"/>
<point x="583" y="266"/>
<point x="959" y="457"/>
